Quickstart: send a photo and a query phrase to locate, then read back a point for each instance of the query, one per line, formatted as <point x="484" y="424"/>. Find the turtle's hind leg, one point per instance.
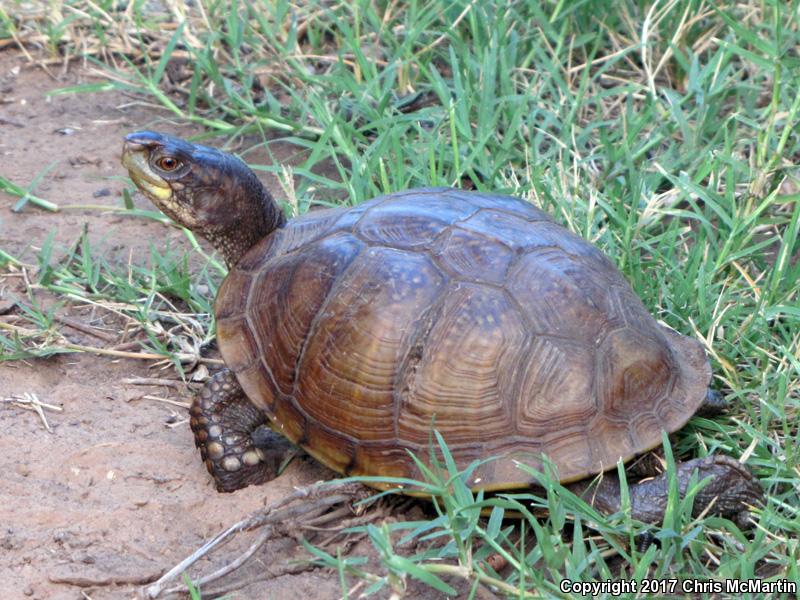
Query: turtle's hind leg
<point x="732" y="488"/>
<point x="232" y="434"/>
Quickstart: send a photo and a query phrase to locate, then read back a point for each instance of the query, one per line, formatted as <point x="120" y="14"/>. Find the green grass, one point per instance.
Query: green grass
<point x="665" y="133"/>
<point x="574" y="542"/>
<point x="163" y="306"/>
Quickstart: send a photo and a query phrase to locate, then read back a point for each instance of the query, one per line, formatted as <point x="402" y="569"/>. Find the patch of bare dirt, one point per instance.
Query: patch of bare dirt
<point x="116" y="494"/>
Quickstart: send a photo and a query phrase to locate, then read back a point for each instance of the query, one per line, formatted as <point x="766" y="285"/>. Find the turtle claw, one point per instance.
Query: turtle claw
<point x="223" y="421"/>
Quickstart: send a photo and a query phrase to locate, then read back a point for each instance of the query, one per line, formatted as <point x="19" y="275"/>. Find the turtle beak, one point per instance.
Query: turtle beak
<point x="140" y="142"/>
<point x="135" y="157"/>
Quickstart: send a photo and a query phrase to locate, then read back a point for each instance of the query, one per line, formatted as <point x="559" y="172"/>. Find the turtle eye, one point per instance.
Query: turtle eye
<point x="168" y="163"/>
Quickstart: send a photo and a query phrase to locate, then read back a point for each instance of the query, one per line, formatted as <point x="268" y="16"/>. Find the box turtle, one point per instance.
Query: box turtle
<point x="354" y="331"/>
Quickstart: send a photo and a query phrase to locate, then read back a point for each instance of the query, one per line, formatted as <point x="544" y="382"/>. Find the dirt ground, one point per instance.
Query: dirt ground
<point x="116" y="494"/>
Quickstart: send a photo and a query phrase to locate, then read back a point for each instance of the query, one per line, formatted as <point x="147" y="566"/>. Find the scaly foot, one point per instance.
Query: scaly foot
<point x="235" y="441"/>
<point x="731" y="489"/>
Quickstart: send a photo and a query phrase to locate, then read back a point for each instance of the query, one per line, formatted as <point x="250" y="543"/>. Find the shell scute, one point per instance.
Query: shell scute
<point x="411" y="223"/>
<point x="461" y="382"/>
<point x="286" y="297"/>
<point x="473" y="257"/>
<point x="508" y="204"/>
<point x="350" y="363"/>
<point x="635" y="373"/>
<point x="557" y="387"/>
<point x="562" y="296"/>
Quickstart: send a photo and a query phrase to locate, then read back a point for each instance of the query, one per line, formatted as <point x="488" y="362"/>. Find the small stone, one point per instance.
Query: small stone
<point x="101" y="193"/>
<point x="200" y="373"/>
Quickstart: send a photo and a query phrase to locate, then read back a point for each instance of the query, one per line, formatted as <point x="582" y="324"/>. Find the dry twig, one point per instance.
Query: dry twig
<point x="84" y="328"/>
<point x="185" y="405"/>
<point x="30" y="401"/>
<point x="183" y="357"/>
<point x="307" y="503"/>
<point x="161" y="381"/>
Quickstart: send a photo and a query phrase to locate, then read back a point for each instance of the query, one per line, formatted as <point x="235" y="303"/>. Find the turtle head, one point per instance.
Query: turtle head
<point x="208" y="191"/>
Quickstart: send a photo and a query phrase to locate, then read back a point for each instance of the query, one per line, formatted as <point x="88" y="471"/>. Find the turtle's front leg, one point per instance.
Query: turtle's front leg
<point x="236" y="444"/>
<point x="730" y="491"/>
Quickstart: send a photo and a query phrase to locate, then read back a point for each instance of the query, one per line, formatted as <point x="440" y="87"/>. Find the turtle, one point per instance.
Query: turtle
<point x="353" y="332"/>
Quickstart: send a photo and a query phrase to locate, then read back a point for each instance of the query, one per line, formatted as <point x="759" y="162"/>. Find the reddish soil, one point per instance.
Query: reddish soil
<point x="116" y="494"/>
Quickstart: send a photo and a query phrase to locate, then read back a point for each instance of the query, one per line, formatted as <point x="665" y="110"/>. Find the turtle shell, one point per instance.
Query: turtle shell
<point x="357" y="331"/>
